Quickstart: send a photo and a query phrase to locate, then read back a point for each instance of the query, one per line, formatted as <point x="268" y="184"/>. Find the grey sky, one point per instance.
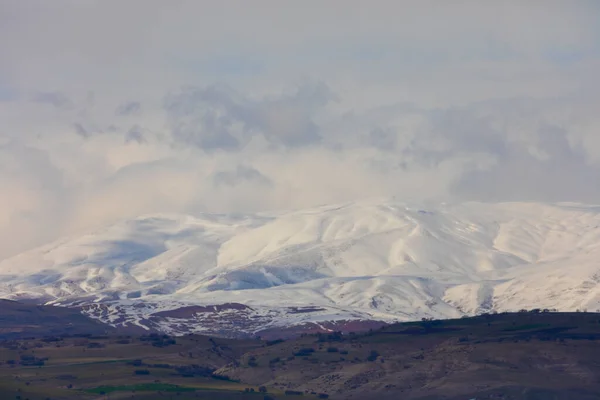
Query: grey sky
<point x="111" y="109"/>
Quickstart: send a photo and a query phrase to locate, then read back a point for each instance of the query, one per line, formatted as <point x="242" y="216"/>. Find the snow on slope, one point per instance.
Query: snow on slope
<point x="379" y="260"/>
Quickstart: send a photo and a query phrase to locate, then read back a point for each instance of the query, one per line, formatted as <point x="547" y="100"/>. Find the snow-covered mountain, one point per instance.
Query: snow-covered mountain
<point x="372" y="260"/>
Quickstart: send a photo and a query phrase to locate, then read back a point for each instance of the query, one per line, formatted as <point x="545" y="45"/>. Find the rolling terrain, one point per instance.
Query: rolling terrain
<point x="517" y="356"/>
<point x="342" y="267"/>
<point x="92" y="366"/>
<point x="510" y="356"/>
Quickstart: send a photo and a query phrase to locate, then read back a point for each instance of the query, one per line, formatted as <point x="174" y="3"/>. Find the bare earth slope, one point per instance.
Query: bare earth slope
<point x="321" y="268"/>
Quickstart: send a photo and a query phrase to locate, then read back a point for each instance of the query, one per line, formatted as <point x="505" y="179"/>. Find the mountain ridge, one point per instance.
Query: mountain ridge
<point x="373" y="260"/>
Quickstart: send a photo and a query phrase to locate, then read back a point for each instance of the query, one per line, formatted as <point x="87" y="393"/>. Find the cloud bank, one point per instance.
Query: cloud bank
<point x="110" y="110"/>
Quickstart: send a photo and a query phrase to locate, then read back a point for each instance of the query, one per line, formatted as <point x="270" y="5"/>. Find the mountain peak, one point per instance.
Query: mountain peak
<point x="371" y="260"/>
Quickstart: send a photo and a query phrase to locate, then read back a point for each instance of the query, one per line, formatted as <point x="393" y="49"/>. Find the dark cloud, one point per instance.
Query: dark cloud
<point x="555" y="172"/>
<point x="57" y="99"/>
<point x="217" y="117"/>
<point x="88" y="129"/>
<point x="447" y="134"/>
<point x="204" y="117"/>
<point x="82" y="131"/>
<point x="135" y="134"/>
<point x="241" y="174"/>
<point x="509" y="150"/>
<point x="464" y="130"/>
<point x="129" y="108"/>
<point x="384" y="139"/>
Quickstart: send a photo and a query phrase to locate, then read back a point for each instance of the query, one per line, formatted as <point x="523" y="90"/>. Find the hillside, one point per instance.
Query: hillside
<point x="22" y="320"/>
<point x="517" y="356"/>
<point x="342" y="267"/>
<point x="522" y="356"/>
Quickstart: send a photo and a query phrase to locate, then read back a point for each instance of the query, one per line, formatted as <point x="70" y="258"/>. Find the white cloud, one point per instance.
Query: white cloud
<point x="114" y="109"/>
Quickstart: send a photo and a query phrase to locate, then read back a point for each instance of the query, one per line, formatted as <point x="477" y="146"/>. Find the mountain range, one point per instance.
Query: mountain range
<point x="337" y="267"/>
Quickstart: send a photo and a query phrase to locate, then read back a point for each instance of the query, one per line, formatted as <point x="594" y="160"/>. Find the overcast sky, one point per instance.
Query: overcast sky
<point x="111" y="109"/>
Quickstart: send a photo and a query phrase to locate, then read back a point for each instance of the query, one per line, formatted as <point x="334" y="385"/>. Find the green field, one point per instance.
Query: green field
<point x="119" y="368"/>
<point x="141" y="387"/>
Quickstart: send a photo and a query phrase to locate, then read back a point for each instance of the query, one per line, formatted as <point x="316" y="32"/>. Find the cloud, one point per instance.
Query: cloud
<point x="509" y="149"/>
<point x="57" y="99"/>
<point x="553" y="170"/>
<point x="242" y="174"/>
<point x="217" y="117"/>
<point x="34" y="199"/>
<point x="322" y="102"/>
<point x="135" y="134"/>
<point x="81" y="131"/>
<point x="384" y="139"/>
<point x="129" y="108"/>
